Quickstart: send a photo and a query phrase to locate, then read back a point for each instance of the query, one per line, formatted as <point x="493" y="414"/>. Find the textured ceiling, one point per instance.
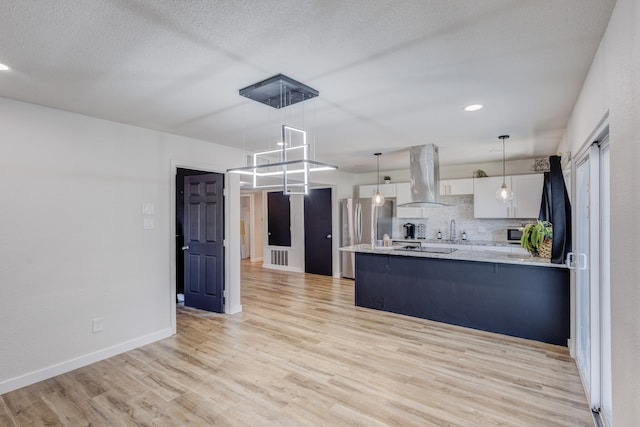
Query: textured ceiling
<point x="391" y="74"/>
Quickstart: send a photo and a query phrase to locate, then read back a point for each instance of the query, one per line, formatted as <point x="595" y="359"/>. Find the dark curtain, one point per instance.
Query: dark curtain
<point x="556" y="208"/>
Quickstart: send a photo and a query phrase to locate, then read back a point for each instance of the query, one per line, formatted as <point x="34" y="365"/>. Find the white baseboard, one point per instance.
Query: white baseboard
<point x="235" y="309"/>
<point x="61" y="368"/>
<point x="282" y="267"/>
<point x="257" y="259"/>
<point x="571" y="348"/>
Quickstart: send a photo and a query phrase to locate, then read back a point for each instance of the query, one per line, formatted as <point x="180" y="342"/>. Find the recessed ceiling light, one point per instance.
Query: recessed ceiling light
<point x="474" y="107"/>
<point x="4" y="67"/>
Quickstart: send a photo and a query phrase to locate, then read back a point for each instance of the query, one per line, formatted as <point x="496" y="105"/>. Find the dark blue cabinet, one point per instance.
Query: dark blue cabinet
<point x="519" y="300"/>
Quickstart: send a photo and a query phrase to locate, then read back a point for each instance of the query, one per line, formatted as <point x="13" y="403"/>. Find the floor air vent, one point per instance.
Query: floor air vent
<point x="279" y="257"/>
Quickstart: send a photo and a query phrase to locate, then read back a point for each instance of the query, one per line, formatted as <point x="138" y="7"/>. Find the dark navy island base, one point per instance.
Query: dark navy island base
<point x="519" y="300"/>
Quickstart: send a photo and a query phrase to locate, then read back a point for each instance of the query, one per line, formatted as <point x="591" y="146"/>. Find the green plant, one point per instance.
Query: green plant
<point x="479" y="173"/>
<point x="387" y="178"/>
<point x="534" y="235"/>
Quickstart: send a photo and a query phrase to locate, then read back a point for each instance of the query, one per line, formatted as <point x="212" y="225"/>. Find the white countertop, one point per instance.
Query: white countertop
<point x="460" y="254"/>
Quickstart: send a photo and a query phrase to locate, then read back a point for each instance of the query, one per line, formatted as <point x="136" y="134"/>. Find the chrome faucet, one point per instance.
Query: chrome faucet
<point x="452" y="230"/>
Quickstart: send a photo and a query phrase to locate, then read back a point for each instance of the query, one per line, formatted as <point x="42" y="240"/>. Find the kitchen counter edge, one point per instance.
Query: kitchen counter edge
<point x="460" y="254"/>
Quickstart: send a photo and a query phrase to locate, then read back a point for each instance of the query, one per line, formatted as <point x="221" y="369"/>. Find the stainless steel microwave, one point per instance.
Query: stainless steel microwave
<point x="514" y="234"/>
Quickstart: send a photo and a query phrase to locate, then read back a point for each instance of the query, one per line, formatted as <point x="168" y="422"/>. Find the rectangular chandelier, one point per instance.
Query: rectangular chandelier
<point x="288" y="166"/>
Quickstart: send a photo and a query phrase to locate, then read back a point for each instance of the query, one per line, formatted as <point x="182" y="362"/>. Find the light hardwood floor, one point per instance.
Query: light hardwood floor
<point x="302" y="354"/>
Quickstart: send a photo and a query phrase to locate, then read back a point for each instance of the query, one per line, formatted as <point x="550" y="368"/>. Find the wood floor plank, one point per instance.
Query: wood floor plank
<point x="302" y="354"/>
<point x="5" y="417"/>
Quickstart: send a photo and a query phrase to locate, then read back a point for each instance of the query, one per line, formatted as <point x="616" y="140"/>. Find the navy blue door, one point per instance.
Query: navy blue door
<point x="278" y="219"/>
<point x="203" y="242"/>
<point x="318" y="242"/>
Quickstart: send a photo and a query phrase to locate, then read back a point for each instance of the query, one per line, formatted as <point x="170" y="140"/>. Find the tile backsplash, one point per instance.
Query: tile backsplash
<point x="460" y="209"/>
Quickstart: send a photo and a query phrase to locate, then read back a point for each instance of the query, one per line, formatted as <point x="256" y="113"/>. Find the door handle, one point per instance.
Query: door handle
<point x="328" y="236"/>
<point x="571" y="261"/>
<point x="185" y="248"/>
<point x="576" y="264"/>
<point x="358" y="223"/>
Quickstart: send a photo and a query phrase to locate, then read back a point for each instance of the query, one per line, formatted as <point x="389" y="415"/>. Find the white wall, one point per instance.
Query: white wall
<point x="613" y="87"/>
<point x="72" y="243"/>
<point x="343" y="182"/>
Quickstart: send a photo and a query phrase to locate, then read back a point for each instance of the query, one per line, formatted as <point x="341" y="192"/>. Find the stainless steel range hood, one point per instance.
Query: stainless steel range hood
<point x="424" y="171"/>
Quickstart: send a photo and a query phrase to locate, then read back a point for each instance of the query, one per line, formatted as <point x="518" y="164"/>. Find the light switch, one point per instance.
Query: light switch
<point x="97" y="325"/>
<point x="148" y="224"/>
<point x="148" y="208"/>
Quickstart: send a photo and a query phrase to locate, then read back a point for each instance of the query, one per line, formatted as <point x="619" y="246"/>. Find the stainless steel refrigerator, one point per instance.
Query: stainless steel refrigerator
<point x="357" y="217"/>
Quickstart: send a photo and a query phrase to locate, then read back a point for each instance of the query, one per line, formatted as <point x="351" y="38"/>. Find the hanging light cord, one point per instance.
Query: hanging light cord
<point x="378" y="179"/>
<point x="503" y="160"/>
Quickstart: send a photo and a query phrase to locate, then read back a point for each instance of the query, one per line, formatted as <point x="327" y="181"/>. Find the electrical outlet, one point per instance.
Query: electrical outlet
<point x="481" y="229"/>
<point x="96" y="325"/>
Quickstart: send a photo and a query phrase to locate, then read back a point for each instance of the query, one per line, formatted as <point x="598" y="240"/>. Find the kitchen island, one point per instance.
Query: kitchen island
<point x="511" y="294"/>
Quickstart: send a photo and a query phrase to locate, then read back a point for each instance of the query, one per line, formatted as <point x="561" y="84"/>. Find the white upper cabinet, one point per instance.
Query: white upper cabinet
<point x="527" y="195"/>
<point x="387" y="190"/>
<point x="456" y="187"/>
<point x="485" y="204"/>
<point x="403" y="193"/>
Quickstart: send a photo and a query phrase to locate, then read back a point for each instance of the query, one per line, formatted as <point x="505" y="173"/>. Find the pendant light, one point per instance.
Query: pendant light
<point x="504" y="193"/>
<point x="378" y="199"/>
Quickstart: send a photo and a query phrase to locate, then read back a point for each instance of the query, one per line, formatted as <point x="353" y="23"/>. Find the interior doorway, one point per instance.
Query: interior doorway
<point x="181" y="173"/>
<point x="200" y="239"/>
<point x="318" y="240"/>
<point x="293" y="233"/>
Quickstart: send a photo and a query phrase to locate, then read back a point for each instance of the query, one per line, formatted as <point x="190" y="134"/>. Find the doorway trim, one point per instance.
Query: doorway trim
<point x="256" y="255"/>
<point x="231" y="232"/>
<point x="599" y="379"/>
